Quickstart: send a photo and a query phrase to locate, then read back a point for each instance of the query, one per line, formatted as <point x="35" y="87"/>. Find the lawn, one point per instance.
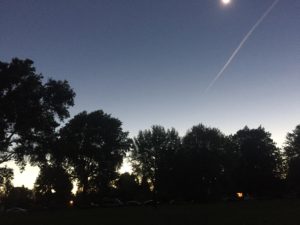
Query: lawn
<point x="281" y="212"/>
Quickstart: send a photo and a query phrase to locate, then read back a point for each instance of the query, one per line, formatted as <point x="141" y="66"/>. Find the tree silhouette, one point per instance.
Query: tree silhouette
<point x="127" y="186"/>
<point x="6" y="177"/>
<point x="19" y="197"/>
<point x="259" y="163"/>
<point x="153" y="157"/>
<point x="29" y="110"/>
<point x="292" y="153"/>
<point x="53" y="186"/>
<point x="93" y="145"/>
<point x="202" y="163"/>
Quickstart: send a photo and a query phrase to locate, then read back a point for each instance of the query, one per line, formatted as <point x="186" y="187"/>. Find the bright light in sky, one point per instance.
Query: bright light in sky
<point x="126" y="167"/>
<point x="226" y="2"/>
<point x="26" y="178"/>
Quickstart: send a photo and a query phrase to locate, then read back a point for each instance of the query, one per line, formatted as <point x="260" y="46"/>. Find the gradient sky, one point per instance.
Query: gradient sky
<point x="149" y="61"/>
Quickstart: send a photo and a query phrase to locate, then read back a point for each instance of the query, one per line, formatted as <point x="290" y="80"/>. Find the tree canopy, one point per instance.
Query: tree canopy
<point x="259" y="164"/>
<point x="127" y="186"/>
<point x="292" y="144"/>
<point x="202" y="160"/>
<point x="30" y="110"/>
<point x="53" y="186"/>
<point x="292" y="154"/>
<point x="6" y="177"/>
<point x="153" y="157"/>
<point x="93" y="146"/>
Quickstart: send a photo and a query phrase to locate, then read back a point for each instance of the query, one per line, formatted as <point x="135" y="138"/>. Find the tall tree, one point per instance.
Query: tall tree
<point x="153" y="158"/>
<point x="30" y="110"/>
<point x="292" y="154"/>
<point x="127" y="186"/>
<point x="93" y="145"/>
<point x="6" y="177"/>
<point x="53" y="186"/>
<point x="259" y="163"/>
<point x="292" y="144"/>
<point x="202" y="163"/>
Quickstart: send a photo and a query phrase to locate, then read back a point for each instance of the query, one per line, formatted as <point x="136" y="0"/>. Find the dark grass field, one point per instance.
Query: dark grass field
<point x="275" y="212"/>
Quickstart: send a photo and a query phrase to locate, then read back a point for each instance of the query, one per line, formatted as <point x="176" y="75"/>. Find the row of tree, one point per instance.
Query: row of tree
<point x="203" y="165"/>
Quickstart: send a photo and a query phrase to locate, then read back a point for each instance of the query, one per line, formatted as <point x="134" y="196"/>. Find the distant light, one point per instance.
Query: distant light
<point x="226" y="2"/>
<point x="240" y="194"/>
<point x="71" y="203"/>
<point x="53" y="191"/>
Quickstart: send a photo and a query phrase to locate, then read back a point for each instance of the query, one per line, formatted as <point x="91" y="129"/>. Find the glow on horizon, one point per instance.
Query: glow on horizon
<point x="25" y="178"/>
<point x="29" y="175"/>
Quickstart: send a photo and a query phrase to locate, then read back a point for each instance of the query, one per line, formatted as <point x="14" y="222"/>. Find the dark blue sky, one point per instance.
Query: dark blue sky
<point x="149" y="61"/>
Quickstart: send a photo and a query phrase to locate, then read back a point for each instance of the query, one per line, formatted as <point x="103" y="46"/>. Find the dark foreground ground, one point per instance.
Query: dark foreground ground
<point x="281" y="212"/>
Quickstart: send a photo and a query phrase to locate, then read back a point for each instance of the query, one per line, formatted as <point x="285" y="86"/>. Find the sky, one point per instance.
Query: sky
<point x="149" y="62"/>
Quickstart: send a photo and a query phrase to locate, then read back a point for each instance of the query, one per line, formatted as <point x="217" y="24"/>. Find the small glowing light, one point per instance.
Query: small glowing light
<point x="226" y="2"/>
<point x="240" y="194"/>
<point x="71" y="203"/>
<point x="53" y="191"/>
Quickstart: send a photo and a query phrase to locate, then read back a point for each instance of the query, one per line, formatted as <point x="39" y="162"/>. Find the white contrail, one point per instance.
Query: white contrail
<point x="261" y="19"/>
